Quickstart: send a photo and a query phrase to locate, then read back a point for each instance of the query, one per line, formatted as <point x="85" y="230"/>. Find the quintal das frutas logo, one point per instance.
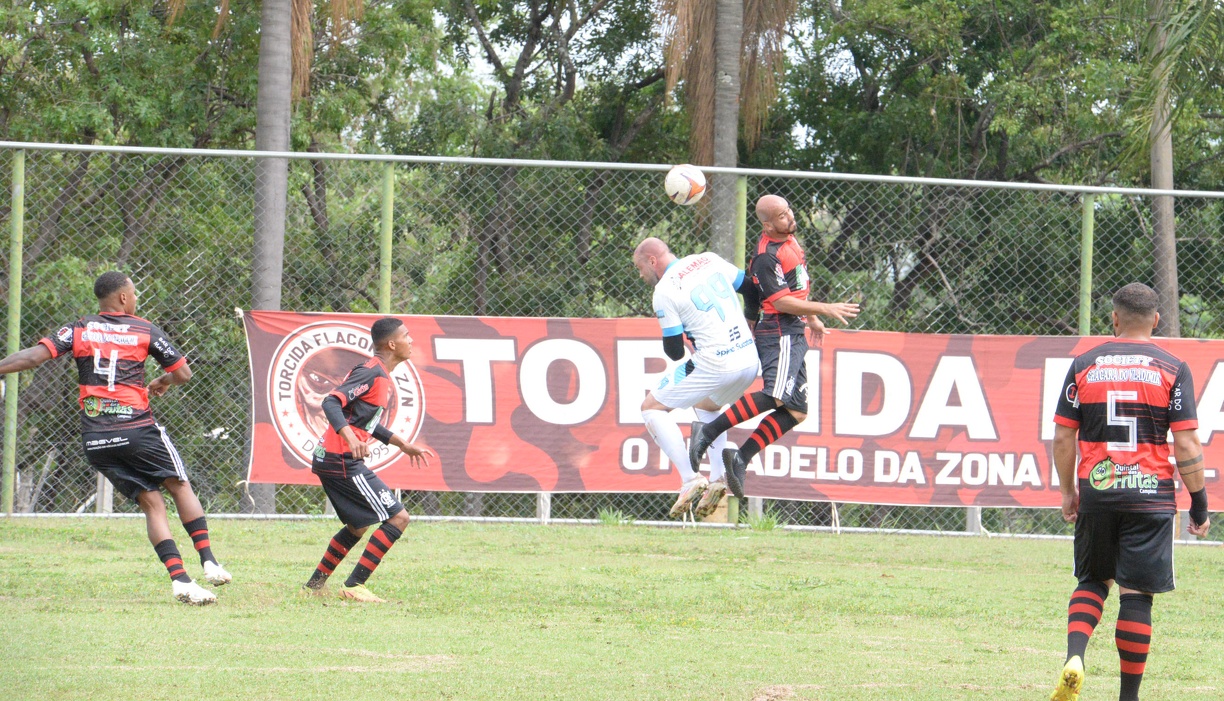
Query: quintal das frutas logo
<point x="1109" y="475"/>
<point x="314" y="360"/>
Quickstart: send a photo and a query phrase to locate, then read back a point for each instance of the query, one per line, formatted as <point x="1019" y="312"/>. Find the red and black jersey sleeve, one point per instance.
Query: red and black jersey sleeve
<point x="1183" y="414"/>
<point x="163" y="350"/>
<point x="1067" y="412"/>
<point x="60" y="342"/>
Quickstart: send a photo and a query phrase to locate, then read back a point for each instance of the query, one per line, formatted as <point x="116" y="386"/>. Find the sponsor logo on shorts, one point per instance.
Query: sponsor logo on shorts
<point x="385" y="497"/>
<point x="313" y="361"/>
<point x="101" y="443"/>
<point x="1109" y="475"/>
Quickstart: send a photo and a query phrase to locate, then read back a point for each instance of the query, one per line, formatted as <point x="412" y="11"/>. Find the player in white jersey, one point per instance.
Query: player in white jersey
<point x="696" y="296"/>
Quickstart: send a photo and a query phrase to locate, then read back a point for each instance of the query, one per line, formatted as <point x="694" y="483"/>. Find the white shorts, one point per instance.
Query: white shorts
<point x="682" y="388"/>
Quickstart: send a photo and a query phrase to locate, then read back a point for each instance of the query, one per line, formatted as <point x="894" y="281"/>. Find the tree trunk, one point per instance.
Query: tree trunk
<point x="1164" y="228"/>
<point x="272" y="113"/>
<point x="728" y="33"/>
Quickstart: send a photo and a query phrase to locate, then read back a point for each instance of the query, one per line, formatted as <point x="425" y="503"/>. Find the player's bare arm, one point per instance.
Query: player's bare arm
<point x="418" y="456"/>
<point x="1189" y="453"/>
<point x="842" y="311"/>
<point x="179" y="376"/>
<point x="1064" y="462"/>
<point x="26" y="359"/>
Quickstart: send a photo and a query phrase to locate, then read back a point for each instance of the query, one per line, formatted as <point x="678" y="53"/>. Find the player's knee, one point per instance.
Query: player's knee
<point x="357" y="531"/>
<point x="799" y="415"/>
<point x="400" y="520"/>
<point x="150" y="502"/>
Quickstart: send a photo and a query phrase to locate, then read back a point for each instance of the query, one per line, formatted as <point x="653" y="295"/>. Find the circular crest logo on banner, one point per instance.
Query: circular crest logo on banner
<point x="314" y="360"/>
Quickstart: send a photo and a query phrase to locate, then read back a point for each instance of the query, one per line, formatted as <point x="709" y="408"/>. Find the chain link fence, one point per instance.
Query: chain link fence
<point x="474" y="238"/>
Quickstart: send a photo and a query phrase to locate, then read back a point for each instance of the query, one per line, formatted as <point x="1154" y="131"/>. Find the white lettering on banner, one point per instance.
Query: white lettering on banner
<point x="1211" y="405"/>
<point x="1051" y="389"/>
<point x="993" y="469"/>
<point x="890" y="469"/>
<point x="849" y="465"/>
<point x="801" y="457"/>
<point x="592" y="381"/>
<point x="848" y="416"/>
<point x="477" y="356"/>
<point x="954" y="372"/>
<point x="635" y="452"/>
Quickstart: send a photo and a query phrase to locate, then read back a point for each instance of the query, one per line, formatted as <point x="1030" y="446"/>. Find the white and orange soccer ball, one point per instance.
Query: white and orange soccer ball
<point x="685" y="184"/>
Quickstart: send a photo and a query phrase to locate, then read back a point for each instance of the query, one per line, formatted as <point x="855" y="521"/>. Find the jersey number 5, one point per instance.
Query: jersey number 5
<point x="1130" y="423"/>
<point x="109" y="371"/>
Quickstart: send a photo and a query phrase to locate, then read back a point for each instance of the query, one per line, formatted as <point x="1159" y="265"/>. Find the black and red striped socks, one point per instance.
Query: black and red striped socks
<point x="745" y="408"/>
<point x="198" y="530"/>
<point x="340" y="544"/>
<point x="375" y="550"/>
<point x="1083" y="615"/>
<point x="1134" y="639"/>
<point x="169" y="554"/>
<point x="770" y="429"/>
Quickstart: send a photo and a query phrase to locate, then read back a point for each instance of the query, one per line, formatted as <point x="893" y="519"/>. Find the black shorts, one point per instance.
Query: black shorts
<point x="361" y="499"/>
<point x="1135" y="549"/>
<point x="135" y="460"/>
<point x="784" y="369"/>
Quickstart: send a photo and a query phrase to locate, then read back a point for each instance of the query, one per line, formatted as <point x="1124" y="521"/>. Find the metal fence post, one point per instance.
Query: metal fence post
<point x="1086" y="232"/>
<point x="16" y="232"/>
<point x="973" y="520"/>
<point x="544" y="507"/>
<point x="384" y="250"/>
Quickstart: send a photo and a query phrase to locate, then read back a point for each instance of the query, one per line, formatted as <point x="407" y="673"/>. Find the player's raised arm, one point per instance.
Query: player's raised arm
<point x="26" y="359"/>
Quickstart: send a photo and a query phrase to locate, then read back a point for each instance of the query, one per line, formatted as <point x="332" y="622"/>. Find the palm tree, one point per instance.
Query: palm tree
<point x="286" y="49"/>
<point x="728" y="54"/>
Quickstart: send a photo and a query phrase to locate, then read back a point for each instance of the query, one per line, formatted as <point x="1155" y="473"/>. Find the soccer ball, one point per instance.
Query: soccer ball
<point x="684" y="184"/>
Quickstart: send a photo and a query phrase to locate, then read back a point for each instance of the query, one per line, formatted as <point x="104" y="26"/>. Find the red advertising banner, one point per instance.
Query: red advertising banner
<point x="553" y="405"/>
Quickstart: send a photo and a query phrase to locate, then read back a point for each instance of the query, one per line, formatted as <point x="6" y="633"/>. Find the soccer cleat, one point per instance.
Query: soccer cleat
<point x="1070" y="681"/>
<point x="709" y="501"/>
<point x="192" y="593"/>
<point x="216" y="575"/>
<point x="737" y="470"/>
<point x="360" y="593"/>
<point x="698" y="443"/>
<point x="312" y="592"/>
<point x="690" y="492"/>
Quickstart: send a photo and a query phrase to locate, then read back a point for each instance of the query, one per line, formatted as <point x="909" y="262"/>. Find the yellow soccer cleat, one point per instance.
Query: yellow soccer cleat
<point x="1070" y="681"/>
<point x="360" y="593"/>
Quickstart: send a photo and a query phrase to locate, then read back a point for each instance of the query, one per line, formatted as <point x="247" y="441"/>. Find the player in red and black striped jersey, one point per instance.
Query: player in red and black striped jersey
<point x="120" y="436"/>
<point x="1119" y="402"/>
<point x="779" y="272"/>
<point x="360" y="498"/>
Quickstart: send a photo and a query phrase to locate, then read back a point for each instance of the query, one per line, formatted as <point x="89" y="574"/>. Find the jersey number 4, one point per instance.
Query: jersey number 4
<point x="711" y="295"/>
<point x="109" y="370"/>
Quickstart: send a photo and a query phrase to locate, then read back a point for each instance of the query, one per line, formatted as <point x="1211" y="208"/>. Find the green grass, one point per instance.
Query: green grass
<point x="561" y="612"/>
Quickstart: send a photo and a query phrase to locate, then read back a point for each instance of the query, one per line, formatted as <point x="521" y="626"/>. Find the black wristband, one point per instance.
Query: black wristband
<point x="382" y="435"/>
<point x="1198" y="506"/>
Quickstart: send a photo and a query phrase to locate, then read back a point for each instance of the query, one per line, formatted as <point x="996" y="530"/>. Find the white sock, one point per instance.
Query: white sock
<point x="666" y="434"/>
<point x="714" y="453"/>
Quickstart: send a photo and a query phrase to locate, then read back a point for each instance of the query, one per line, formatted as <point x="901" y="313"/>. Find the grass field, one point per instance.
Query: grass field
<point x="565" y="612"/>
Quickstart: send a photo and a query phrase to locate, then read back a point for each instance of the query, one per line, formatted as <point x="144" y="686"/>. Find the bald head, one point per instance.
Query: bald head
<point x="777" y="219"/>
<point x="651" y="258"/>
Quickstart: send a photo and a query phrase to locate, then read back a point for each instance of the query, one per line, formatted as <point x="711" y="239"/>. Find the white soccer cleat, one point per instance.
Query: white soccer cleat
<point x="192" y="593"/>
<point x="216" y="575"/>
<point x="690" y="492"/>
<point x="710" y="500"/>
